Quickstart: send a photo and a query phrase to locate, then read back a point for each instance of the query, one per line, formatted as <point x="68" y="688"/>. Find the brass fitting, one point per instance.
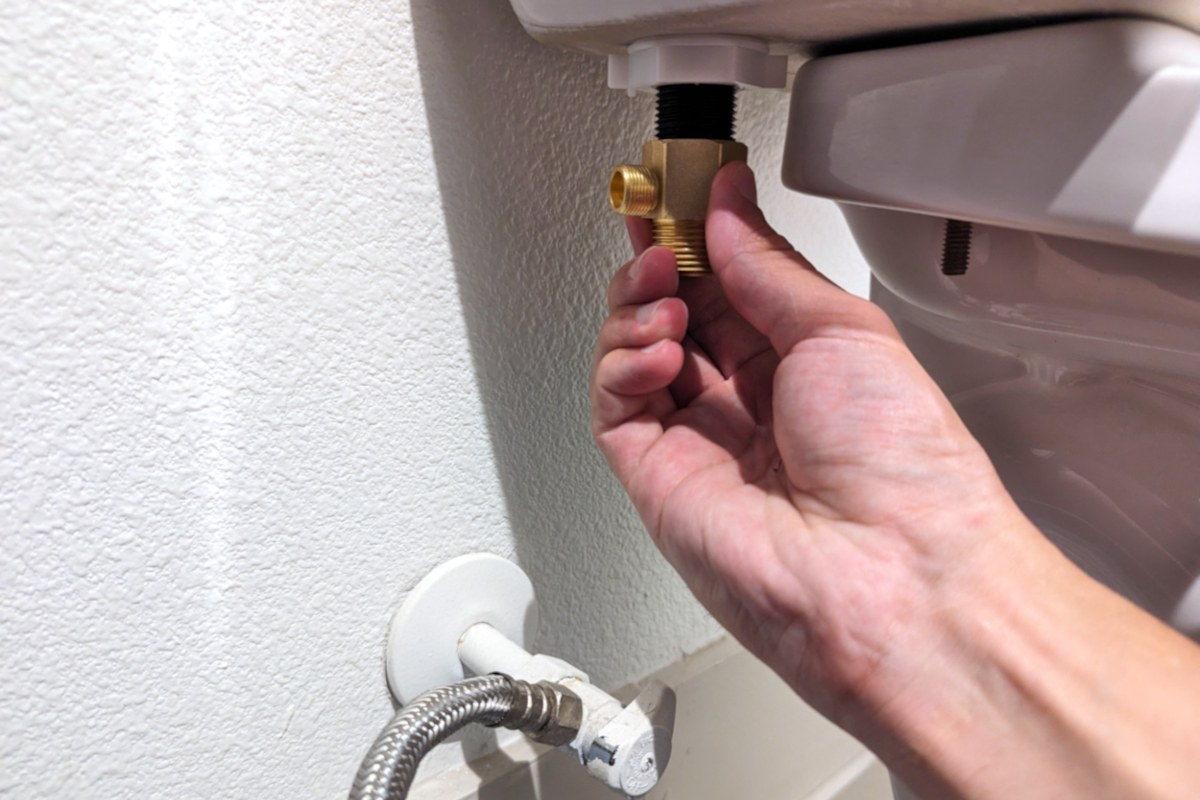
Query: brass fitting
<point x="670" y="188"/>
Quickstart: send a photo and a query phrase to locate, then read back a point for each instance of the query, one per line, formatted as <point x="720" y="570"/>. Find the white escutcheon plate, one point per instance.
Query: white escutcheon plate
<point x="422" y="647"/>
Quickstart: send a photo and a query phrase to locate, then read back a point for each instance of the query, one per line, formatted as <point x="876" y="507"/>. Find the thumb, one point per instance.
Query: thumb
<point x="771" y="285"/>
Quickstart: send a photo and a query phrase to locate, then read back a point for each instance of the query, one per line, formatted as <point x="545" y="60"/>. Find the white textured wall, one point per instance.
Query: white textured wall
<point x="296" y="301"/>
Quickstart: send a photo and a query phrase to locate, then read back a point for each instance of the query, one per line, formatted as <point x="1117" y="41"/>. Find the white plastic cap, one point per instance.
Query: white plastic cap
<point x="697" y="59"/>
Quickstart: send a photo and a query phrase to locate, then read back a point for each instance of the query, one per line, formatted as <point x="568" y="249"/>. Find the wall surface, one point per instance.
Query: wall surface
<point x="297" y="302"/>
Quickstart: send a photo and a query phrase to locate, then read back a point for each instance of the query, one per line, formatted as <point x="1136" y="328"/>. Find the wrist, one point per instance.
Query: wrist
<point x="958" y="693"/>
<point x="1029" y="679"/>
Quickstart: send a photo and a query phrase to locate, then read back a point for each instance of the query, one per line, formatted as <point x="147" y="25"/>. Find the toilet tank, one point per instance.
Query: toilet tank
<point x="607" y="26"/>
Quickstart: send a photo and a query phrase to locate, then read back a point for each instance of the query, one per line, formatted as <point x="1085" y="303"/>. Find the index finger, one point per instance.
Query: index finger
<point x="641" y="234"/>
<point x="650" y="276"/>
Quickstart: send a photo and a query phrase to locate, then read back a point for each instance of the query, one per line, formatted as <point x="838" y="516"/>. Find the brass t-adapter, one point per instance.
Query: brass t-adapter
<point x="670" y="188"/>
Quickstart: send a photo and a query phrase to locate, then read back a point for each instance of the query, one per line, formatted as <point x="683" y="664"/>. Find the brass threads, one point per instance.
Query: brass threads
<point x="670" y="188"/>
<point x="686" y="238"/>
<point x="632" y="190"/>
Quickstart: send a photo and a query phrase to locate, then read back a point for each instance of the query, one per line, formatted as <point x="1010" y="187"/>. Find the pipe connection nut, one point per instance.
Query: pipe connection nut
<point x="671" y="187"/>
<point x="546" y="712"/>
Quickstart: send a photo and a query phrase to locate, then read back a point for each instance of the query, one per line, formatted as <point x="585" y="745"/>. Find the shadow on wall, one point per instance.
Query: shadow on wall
<point x="523" y="139"/>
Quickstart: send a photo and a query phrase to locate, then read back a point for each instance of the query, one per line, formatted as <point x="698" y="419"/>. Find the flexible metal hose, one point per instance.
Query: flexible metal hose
<point x="388" y="770"/>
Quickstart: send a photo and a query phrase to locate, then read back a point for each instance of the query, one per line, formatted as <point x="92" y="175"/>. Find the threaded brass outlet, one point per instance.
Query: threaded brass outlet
<point x="686" y="238"/>
<point x="671" y="189"/>
<point x="633" y="190"/>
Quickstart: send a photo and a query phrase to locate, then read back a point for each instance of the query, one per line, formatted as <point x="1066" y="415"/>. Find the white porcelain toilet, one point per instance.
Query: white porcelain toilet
<point x="1024" y="180"/>
<point x="1067" y="330"/>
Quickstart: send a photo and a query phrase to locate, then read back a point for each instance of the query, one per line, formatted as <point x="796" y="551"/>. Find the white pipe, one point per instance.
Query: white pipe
<point x="484" y="650"/>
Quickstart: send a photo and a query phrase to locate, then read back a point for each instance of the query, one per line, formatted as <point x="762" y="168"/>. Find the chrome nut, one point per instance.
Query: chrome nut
<point x="566" y="717"/>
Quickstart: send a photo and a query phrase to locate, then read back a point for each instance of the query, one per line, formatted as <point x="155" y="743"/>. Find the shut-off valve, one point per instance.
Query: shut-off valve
<point x="472" y="615"/>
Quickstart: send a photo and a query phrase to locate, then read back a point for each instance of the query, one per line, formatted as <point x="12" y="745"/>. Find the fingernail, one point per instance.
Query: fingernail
<point x="646" y="312"/>
<point x="650" y="348"/>
<point x="636" y="267"/>
<point x="745" y="184"/>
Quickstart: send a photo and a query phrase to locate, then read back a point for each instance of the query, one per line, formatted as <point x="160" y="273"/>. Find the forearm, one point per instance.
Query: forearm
<point x="1041" y="683"/>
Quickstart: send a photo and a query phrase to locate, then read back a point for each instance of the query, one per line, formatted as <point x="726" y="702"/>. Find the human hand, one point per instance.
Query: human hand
<point x="789" y="456"/>
<point x="821" y="498"/>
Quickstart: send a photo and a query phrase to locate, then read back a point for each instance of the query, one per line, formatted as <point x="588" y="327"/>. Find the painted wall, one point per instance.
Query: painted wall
<point x="296" y="301"/>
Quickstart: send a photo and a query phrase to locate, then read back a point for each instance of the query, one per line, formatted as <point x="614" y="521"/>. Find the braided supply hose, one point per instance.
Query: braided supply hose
<point x="390" y="765"/>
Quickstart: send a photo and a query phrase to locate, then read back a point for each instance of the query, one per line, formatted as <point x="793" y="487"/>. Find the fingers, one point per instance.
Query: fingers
<point x="629" y="401"/>
<point x="697" y="375"/>
<point x="648" y="277"/>
<point x="720" y="331"/>
<point x="769" y="284"/>
<point x="641" y="234"/>
<point x="640" y="326"/>
<point x="637" y="356"/>
<point x="629" y="373"/>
